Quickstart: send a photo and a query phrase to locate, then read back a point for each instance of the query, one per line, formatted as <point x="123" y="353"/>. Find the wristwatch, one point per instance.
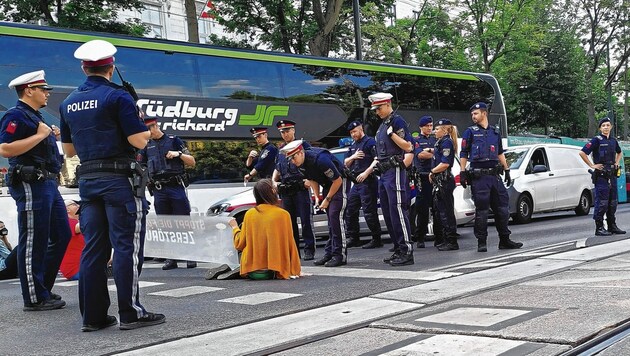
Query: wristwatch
<point x="180" y="153"/>
<point x="327" y="199"/>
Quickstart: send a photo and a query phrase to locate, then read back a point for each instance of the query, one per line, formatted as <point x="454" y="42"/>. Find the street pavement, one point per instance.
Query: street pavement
<point x="541" y="300"/>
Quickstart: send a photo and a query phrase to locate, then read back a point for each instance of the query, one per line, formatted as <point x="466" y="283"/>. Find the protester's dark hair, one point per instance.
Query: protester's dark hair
<point x="265" y="193"/>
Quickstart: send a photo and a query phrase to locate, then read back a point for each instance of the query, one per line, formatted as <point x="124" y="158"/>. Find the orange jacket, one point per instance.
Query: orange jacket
<point x="266" y="241"/>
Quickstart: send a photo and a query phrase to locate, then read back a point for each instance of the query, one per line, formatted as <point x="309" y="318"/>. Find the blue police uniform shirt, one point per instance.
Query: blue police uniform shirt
<point x="21" y="122"/>
<point x="321" y="166"/>
<point x="265" y="162"/>
<point x="385" y="146"/>
<point x="154" y="155"/>
<point x="419" y="144"/>
<point x="481" y="147"/>
<point x="444" y="152"/>
<point x="289" y="172"/>
<point x="604" y="149"/>
<point x="368" y="146"/>
<point x="97" y="118"/>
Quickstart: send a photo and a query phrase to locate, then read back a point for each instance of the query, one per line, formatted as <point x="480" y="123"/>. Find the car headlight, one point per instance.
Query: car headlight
<point x="218" y="209"/>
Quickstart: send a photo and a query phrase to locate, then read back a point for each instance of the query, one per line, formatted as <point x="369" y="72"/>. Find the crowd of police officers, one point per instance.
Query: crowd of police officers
<point x="100" y="123"/>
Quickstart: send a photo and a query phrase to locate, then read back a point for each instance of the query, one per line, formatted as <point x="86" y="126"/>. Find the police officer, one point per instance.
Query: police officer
<point x="294" y="192"/>
<point x="322" y="168"/>
<point x="34" y="165"/>
<point x="166" y="156"/>
<point x="481" y="144"/>
<point x="264" y="164"/>
<point x="100" y="123"/>
<point x="422" y="163"/>
<point x="606" y="156"/>
<point x="444" y="184"/>
<point x="393" y="142"/>
<point x="364" y="192"/>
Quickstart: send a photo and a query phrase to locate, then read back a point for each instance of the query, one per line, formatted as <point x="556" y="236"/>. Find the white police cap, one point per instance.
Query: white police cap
<point x="96" y="53"/>
<point x="30" y="80"/>
<point x="292" y="148"/>
<point x="379" y="99"/>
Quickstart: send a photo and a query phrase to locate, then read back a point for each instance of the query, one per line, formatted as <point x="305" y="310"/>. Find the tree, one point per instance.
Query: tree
<point x="603" y="25"/>
<point x="315" y="27"/>
<point x="90" y="15"/>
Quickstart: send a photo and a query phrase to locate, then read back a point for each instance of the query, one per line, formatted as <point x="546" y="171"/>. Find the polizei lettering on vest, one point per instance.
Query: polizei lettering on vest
<point x="83" y="105"/>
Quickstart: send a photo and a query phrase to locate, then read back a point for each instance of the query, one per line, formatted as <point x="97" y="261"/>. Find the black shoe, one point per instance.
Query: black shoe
<point x="49" y="304"/>
<point x="438" y="241"/>
<point x="110" y="320"/>
<point x="335" y="262"/>
<point x="169" y="264"/>
<point x="308" y="256"/>
<point x="372" y="244"/>
<point x="191" y="264"/>
<point x="147" y="320"/>
<point x="322" y="261"/>
<point x="402" y="260"/>
<point x="448" y="247"/>
<point x="233" y="274"/>
<point x="353" y="243"/>
<point x="216" y="271"/>
<point x="481" y="246"/>
<point x="392" y="249"/>
<point x="507" y="244"/>
<point x="420" y="244"/>
<point x="392" y="257"/>
<point x="55" y="296"/>
<point x="614" y="229"/>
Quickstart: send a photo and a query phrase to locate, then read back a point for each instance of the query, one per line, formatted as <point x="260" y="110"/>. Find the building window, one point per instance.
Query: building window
<point x="152" y="16"/>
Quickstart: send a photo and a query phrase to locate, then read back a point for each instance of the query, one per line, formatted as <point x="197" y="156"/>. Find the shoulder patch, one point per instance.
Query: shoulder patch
<point x="264" y="154"/>
<point x="446" y="152"/>
<point x="401" y="133"/>
<point x="329" y="173"/>
<point x="11" y="127"/>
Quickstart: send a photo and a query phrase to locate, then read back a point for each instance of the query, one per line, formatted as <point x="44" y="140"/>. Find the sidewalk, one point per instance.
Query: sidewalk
<point x="541" y="306"/>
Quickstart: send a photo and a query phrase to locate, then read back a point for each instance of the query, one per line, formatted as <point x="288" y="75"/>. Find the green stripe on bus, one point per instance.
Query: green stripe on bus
<point x="74" y="37"/>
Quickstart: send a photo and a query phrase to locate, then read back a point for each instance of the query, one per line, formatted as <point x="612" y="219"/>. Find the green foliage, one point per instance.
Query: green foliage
<point x="90" y="15"/>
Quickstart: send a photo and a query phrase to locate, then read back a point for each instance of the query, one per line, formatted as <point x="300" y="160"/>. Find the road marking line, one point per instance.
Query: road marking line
<point x="185" y="291"/>
<point x="378" y="273"/>
<point x="265" y="334"/>
<point x="474" y="316"/>
<point x="259" y="298"/>
<point x="454" y="345"/>
<point x="141" y="284"/>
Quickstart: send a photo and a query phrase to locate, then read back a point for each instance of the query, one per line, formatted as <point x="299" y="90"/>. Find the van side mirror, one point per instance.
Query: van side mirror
<point x="540" y="168"/>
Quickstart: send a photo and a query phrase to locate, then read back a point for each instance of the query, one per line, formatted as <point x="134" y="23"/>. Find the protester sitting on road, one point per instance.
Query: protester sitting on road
<point x="8" y="255"/>
<point x="266" y="238"/>
<point x="72" y="258"/>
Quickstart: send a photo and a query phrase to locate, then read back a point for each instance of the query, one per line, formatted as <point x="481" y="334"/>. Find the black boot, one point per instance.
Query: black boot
<point x="439" y="240"/>
<point x="374" y="243"/>
<point x="506" y="244"/>
<point x="599" y="229"/>
<point x="481" y="245"/>
<point x="420" y="239"/>
<point x="450" y="245"/>
<point x="169" y="264"/>
<point x="353" y="242"/>
<point x="613" y="228"/>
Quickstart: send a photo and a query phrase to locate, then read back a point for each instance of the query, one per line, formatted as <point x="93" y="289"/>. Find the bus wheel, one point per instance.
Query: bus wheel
<point x="524" y="209"/>
<point x="584" y="205"/>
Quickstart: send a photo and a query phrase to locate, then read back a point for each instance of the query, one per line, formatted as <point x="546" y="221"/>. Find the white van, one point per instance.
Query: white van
<point x="548" y="177"/>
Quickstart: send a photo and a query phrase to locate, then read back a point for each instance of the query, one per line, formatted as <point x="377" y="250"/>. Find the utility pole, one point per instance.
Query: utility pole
<point x="357" y="30"/>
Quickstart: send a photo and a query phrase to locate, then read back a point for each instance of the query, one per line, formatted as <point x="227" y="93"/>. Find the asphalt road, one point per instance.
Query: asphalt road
<point x="195" y="306"/>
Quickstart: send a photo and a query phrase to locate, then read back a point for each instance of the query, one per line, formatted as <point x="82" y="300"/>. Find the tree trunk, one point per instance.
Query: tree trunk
<point x="319" y="45"/>
<point x="192" y="21"/>
<point x="626" y="116"/>
<point x="590" y="109"/>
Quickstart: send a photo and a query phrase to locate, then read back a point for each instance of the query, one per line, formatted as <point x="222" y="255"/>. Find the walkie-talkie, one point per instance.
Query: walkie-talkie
<point x="128" y="86"/>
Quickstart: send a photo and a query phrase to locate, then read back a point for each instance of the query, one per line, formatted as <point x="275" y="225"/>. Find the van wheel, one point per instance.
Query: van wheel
<point x="524" y="209"/>
<point x="584" y="205"/>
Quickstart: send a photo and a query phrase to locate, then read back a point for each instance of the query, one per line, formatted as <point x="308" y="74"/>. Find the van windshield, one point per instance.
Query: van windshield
<point x="515" y="157"/>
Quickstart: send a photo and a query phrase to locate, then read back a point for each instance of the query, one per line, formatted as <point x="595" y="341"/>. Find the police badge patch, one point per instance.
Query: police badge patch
<point x="401" y="133"/>
<point x="329" y="173"/>
<point x="264" y="154"/>
<point x="446" y="152"/>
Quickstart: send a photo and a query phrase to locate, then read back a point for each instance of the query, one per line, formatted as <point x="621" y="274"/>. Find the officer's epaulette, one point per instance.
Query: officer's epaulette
<point x="171" y="136"/>
<point x="496" y="129"/>
<point x="599" y="137"/>
<point x="474" y="128"/>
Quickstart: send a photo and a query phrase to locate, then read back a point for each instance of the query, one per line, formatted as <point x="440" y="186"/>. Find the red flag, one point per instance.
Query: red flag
<point x="205" y="14"/>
